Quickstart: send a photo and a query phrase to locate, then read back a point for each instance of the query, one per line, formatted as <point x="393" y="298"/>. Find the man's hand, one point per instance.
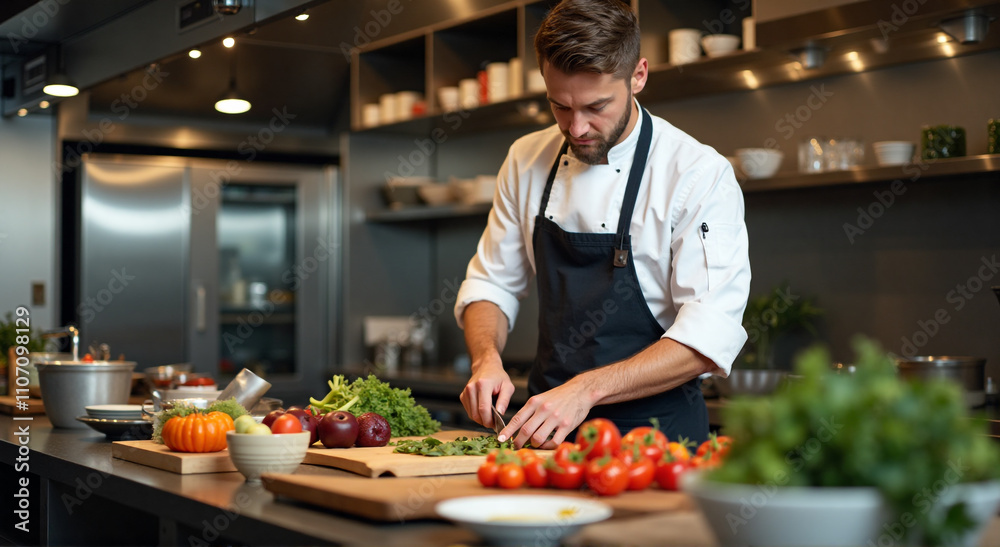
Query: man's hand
<point x="557" y="412"/>
<point x="489" y="379"/>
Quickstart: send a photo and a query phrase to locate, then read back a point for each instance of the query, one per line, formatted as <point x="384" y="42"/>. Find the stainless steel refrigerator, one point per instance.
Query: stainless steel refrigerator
<point x="223" y="264"/>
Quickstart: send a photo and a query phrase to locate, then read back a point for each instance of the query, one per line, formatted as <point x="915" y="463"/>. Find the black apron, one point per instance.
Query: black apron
<point x="592" y="312"/>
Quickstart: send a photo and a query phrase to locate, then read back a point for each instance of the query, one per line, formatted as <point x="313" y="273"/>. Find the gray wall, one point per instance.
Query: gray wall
<point x="891" y="281"/>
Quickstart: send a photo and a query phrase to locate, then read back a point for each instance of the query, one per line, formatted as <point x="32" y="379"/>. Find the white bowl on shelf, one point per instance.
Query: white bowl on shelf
<point x="759" y="163"/>
<point x="889" y="153"/>
<point x="435" y="194"/>
<point x="719" y="44"/>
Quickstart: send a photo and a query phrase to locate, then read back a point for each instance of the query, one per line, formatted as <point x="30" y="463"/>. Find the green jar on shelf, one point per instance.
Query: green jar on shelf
<point x="993" y="136"/>
<point x="942" y="141"/>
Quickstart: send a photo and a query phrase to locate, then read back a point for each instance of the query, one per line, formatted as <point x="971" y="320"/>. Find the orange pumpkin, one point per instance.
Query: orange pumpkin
<point x="197" y="432"/>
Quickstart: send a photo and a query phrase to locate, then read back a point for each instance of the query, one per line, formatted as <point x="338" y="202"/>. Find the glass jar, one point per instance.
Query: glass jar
<point x="942" y="141"/>
<point x="993" y="136"/>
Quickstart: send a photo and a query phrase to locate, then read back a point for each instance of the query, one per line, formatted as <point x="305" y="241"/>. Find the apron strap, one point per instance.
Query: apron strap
<point x="620" y="259"/>
<point x="551" y="179"/>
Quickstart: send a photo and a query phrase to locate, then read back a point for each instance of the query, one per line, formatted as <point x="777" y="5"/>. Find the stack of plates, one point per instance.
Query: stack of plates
<point x="115" y="412"/>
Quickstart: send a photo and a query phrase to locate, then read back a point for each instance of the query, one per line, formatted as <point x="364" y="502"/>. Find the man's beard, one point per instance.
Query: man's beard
<point x="597" y="153"/>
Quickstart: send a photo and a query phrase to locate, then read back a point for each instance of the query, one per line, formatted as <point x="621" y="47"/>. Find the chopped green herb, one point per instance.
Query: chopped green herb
<point x="462" y="446"/>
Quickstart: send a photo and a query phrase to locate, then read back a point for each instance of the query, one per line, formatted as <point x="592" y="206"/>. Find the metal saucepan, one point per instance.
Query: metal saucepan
<point x="968" y="372"/>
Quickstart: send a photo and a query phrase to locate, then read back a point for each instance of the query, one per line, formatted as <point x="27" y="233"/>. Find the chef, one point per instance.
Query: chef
<point x="634" y="232"/>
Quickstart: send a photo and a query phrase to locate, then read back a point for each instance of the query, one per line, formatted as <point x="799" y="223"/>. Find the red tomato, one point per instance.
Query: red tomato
<point x="535" y="473"/>
<point x="286" y="423"/>
<point x="717" y="446"/>
<point x="641" y="473"/>
<point x="87" y="358"/>
<point x="668" y="474"/>
<point x="598" y="438"/>
<point x="651" y="441"/>
<point x="492" y="456"/>
<point x="510" y="475"/>
<point x="565" y="467"/>
<point x="487" y="474"/>
<point x="678" y="451"/>
<point x="607" y="476"/>
<point x="526" y="454"/>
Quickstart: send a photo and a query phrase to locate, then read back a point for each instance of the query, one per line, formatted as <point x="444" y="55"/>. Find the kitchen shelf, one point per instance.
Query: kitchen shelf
<point x="428" y="212"/>
<point x="951" y="167"/>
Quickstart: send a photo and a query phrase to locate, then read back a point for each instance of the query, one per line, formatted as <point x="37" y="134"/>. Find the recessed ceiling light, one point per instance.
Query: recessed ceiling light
<point x="194" y="53"/>
<point x="229" y="41"/>
<point x="302" y="16"/>
<point x="43" y="104"/>
<point x="22" y="112"/>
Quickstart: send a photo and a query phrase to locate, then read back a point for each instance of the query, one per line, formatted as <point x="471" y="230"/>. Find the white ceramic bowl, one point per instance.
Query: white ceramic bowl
<point x="523" y="519"/>
<point x="759" y="163"/>
<point x="744" y="514"/>
<point x="435" y="194"/>
<point x="256" y="454"/>
<point x="719" y="44"/>
<point x="192" y="392"/>
<point x="894" y="152"/>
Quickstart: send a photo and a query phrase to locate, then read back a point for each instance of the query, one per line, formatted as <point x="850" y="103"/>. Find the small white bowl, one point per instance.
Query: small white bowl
<point x="435" y="194"/>
<point x="523" y="519"/>
<point x="719" y="44"/>
<point x="893" y="152"/>
<point x="759" y="163"/>
<point x="256" y="454"/>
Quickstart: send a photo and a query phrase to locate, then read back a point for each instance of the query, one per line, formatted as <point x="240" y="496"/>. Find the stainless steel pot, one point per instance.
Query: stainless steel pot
<point x="69" y="387"/>
<point x="749" y="382"/>
<point x="968" y="372"/>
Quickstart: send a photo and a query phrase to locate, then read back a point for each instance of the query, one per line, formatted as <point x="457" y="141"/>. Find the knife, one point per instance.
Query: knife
<point x="498" y="423"/>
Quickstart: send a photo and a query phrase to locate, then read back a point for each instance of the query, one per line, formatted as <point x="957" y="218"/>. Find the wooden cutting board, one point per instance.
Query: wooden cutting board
<point x="380" y="461"/>
<point x="161" y="457"/>
<point x="8" y="405"/>
<point x="399" y="499"/>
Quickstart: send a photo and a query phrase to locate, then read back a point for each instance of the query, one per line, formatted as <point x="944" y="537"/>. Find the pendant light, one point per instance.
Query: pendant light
<point x="59" y="84"/>
<point x="232" y="102"/>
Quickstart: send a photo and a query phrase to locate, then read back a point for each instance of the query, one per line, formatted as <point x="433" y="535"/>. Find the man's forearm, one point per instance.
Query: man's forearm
<point x="485" y="331"/>
<point x="660" y="367"/>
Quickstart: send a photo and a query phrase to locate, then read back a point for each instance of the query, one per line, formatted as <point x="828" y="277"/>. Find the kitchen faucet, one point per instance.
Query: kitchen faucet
<point x="69" y="330"/>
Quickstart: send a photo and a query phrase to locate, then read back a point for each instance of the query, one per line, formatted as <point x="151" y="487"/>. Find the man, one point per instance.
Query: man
<point x="635" y="233"/>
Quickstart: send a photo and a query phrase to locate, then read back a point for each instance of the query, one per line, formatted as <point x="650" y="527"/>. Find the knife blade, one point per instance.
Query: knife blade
<point x="498" y="423"/>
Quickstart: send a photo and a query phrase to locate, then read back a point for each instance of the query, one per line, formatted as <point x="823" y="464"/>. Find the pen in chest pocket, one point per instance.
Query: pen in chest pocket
<point x="704" y="230"/>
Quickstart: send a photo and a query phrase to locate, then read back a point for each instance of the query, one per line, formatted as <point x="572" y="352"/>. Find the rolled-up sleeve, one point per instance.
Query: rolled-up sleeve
<point x="500" y="271"/>
<point x="710" y="262"/>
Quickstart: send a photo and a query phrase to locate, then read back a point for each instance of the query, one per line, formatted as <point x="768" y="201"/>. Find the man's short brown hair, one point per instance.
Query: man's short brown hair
<point x="600" y="36"/>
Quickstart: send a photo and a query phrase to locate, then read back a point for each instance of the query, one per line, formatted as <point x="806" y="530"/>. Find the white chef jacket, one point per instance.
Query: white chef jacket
<point x="695" y="282"/>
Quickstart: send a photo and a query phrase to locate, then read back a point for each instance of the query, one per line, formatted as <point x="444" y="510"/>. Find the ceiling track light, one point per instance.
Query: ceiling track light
<point x="969" y="28"/>
<point x="231" y="101"/>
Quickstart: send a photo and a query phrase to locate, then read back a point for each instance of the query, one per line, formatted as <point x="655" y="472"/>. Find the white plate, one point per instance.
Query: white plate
<point x="523" y="520"/>
<point x="115" y="412"/>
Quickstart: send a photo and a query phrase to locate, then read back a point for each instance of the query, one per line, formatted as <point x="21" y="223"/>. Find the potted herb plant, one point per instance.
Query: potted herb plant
<point x="852" y="459"/>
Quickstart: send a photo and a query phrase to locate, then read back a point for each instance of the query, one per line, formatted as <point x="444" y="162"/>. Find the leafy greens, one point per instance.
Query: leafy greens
<point x="397" y="406"/>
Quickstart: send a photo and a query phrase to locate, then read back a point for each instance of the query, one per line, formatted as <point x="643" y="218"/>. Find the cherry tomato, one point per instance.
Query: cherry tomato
<point x="492" y="456"/>
<point x="718" y="445"/>
<point x="598" y="438"/>
<point x="641" y="470"/>
<point x="678" y="451"/>
<point x="668" y="474"/>
<point x="526" y="454"/>
<point x="565" y="476"/>
<point x="286" y="423"/>
<point x="535" y="473"/>
<point x="487" y="474"/>
<point x="565" y="467"/>
<point x="607" y="476"/>
<point x="650" y="440"/>
<point x="510" y="475"/>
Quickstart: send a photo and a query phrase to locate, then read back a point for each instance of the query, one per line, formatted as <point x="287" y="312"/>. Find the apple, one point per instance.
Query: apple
<point x="259" y="429"/>
<point x="244" y="422"/>
<point x="338" y="429"/>
<point x="272" y="416"/>
<point x="373" y="430"/>
<point x="309" y="422"/>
